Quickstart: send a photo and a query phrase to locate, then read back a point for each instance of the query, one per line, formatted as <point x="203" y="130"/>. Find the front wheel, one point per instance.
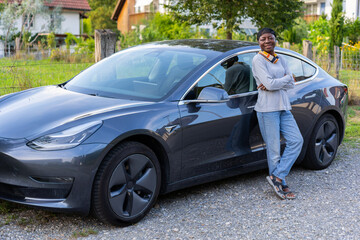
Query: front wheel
<point x="127" y="184"/>
<point x="323" y="144"/>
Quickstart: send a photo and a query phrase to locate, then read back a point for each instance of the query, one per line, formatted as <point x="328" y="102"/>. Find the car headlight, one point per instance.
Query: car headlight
<point x="68" y="138"/>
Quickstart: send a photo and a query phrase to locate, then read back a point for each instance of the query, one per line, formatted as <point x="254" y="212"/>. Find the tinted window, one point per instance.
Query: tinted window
<point x="233" y="75"/>
<point x="299" y="68"/>
<point x="137" y="74"/>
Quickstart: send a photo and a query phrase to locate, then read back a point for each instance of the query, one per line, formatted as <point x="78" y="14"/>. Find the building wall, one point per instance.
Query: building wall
<point x="351" y="8"/>
<point x="123" y="19"/>
<point x="71" y="23"/>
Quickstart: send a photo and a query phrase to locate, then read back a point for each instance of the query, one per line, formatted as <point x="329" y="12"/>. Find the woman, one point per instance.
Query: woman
<point x="273" y="79"/>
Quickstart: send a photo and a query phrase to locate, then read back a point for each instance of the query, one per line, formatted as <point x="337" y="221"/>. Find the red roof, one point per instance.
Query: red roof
<point x="70" y="4"/>
<point x="81" y="5"/>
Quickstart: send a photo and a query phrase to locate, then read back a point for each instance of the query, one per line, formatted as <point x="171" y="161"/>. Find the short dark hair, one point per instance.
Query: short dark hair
<point x="263" y="31"/>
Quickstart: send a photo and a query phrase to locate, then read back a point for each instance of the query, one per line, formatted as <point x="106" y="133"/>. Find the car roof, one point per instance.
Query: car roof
<point x="216" y="45"/>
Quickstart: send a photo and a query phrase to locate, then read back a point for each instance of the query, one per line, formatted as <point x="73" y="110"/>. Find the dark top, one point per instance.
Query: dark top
<point x="237" y="78"/>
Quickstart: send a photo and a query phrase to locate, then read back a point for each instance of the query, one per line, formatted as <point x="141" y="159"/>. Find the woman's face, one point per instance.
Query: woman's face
<point x="267" y="42"/>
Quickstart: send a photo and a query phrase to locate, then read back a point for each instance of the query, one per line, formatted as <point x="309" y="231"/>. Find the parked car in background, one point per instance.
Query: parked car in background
<point x="153" y="119"/>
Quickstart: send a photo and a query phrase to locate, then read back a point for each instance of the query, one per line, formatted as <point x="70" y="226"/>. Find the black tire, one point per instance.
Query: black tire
<point x="323" y="144"/>
<point x="126" y="185"/>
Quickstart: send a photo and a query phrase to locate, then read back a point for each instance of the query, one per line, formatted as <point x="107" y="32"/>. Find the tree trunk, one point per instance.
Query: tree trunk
<point x="329" y="61"/>
<point x="228" y="35"/>
<point x="337" y="60"/>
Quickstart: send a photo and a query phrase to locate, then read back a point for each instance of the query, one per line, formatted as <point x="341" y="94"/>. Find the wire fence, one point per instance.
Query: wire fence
<point x="25" y="71"/>
<point x="33" y="69"/>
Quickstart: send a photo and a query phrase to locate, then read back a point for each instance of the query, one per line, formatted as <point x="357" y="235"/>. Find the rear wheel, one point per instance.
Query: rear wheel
<point x="323" y="144"/>
<point x="127" y="184"/>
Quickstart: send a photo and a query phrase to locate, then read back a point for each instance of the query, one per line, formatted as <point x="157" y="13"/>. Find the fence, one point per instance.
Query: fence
<point x="17" y="75"/>
<point x="348" y="65"/>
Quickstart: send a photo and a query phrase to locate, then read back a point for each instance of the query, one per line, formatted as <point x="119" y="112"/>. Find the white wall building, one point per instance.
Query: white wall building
<point x="314" y="8"/>
<point x="70" y="15"/>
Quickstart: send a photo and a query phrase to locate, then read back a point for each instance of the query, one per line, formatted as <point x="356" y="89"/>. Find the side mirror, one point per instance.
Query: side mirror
<point x="210" y="95"/>
<point x="213" y="94"/>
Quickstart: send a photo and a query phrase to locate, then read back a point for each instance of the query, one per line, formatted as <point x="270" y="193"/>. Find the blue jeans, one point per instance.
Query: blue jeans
<point x="271" y="125"/>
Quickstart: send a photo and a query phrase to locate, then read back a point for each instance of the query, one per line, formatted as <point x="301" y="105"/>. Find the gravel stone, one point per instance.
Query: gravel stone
<point x="242" y="207"/>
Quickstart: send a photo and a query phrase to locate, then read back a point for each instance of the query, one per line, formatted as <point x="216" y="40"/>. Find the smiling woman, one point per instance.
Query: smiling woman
<point x="274" y="79"/>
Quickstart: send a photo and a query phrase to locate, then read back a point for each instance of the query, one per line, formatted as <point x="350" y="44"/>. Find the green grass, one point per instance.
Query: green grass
<point x="352" y="131"/>
<point x="352" y="79"/>
<point x="17" y="75"/>
<point x="84" y="233"/>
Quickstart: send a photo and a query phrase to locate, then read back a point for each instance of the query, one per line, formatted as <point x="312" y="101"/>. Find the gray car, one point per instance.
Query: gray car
<point x="154" y="119"/>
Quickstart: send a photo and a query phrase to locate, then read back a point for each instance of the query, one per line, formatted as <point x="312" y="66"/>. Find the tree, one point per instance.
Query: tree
<point x="101" y="14"/>
<point x="160" y="27"/>
<point x="352" y="30"/>
<point x="228" y="14"/>
<point x="296" y="33"/>
<point x="276" y="14"/>
<point x="164" y="27"/>
<point x="28" y="11"/>
<point x="336" y="25"/>
<point x="222" y="13"/>
<point x="9" y="10"/>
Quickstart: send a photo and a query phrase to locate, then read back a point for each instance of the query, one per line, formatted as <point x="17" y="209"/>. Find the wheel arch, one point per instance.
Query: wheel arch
<point x="340" y="121"/>
<point x="159" y="151"/>
<point x="151" y="142"/>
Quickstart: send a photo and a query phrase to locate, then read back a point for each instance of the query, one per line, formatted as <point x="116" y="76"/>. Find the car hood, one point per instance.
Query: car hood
<point x="36" y="111"/>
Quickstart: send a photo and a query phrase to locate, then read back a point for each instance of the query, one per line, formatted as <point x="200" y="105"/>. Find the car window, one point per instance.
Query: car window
<point x="302" y="70"/>
<point x="234" y="75"/>
<point x="137" y="73"/>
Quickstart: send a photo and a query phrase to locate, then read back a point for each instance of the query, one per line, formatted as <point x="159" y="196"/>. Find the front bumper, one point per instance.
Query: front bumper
<point x="59" y="180"/>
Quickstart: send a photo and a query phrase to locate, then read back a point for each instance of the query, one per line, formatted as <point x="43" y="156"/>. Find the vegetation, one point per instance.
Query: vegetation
<point x="160" y="27"/>
<point x="336" y="24"/>
<point x="229" y="14"/>
<point x="20" y="75"/>
<point x="352" y="131"/>
<point x="100" y="14"/>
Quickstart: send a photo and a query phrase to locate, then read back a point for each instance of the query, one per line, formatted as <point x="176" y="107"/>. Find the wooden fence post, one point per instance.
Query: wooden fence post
<point x="17" y="45"/>
<point x="286" y="45"/>
<point x="105" y="41"/>
<point x="307" y="49"/>
<point x="337" y="60"/>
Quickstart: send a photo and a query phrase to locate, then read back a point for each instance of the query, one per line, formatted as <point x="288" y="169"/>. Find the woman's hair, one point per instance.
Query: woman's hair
<point x="265" y="30"/>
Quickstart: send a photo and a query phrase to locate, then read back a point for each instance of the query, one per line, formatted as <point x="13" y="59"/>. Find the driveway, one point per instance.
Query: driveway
<point x="242" y="207"/>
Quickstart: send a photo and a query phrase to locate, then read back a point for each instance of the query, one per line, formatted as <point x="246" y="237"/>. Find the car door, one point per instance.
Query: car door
<point x="221" y="135"/>
<point x="306" y="96"/>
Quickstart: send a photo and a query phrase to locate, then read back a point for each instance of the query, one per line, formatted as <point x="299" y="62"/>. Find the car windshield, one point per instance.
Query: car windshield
<point x="138" y="73"/>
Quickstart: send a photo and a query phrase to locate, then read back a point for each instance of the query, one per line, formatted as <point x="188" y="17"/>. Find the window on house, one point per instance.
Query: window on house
<point x="322" y="8"/>
<point x="29" y="20"/>
<point x="311" y="9"/>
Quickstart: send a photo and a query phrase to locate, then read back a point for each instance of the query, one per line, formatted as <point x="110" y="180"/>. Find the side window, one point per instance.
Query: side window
<point x="309" y="70"/>
<point x="299" y="68"/>
<point x="233" y="75"/>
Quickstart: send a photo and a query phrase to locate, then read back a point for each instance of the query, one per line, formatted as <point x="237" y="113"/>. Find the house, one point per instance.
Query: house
<point x="71" y="15"/>
<point x="67" y="18"/>
<point x="130" y="13"/>
<point x="315" y="8"/>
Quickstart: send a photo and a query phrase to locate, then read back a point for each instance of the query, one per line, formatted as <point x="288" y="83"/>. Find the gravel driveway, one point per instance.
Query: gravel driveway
<point x="243" y="207"/>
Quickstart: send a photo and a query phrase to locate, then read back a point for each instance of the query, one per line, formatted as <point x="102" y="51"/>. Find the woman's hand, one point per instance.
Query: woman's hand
<point x="262" y="87"/>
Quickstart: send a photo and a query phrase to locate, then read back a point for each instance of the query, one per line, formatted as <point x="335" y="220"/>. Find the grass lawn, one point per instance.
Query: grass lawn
<point x="17" y="75"/>
<point x="352" y="131"/>
<point x="352" y="79"/>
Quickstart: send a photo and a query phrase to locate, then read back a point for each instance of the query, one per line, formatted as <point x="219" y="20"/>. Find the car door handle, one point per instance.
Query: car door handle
<point x="310" y="96"/>
<point x="169" y="129"/>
